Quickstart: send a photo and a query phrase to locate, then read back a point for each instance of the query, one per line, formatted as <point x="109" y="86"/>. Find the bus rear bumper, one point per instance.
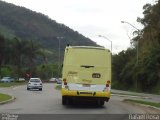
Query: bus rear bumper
<point x="86" y="95"/>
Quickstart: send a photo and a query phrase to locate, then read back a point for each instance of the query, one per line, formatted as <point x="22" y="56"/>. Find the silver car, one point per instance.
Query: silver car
<point x="34" y="83"/>
<point x="59" y="80"/>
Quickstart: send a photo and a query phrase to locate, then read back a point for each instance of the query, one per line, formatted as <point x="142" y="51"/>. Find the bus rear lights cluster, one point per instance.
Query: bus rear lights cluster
<point x="65" y="81"/>
<point x="108" y="83"/>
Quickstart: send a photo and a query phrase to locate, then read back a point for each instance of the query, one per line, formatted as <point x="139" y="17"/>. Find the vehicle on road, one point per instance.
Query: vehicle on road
<point x="21" y="79"/>
<point x="52" y="80"/>
<point x="7" y="79"/>
<point x="58" y="80"/>
<point x="35" y="83"/>
<point x="86" y="74"/>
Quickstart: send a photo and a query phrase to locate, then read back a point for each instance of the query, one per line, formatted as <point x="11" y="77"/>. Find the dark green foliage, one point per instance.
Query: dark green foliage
<point x="47" y="71"/>
<point x="16" y="55"/>
<point x="2" y="48"/>
<point x="144" y="76"/>
<point x="149" y="72"/>
<point x="122" y="69"/>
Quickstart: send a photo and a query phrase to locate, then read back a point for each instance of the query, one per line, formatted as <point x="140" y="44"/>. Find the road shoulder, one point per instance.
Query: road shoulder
<point x="147" y="108"/>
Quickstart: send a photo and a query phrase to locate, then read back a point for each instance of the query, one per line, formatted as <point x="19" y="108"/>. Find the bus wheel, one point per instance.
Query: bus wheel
<point x="64" y="100"/>
<point x="100" y="102"/>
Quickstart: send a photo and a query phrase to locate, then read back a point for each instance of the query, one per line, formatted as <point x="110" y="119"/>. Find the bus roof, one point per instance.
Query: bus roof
<point x="87" y="47"/>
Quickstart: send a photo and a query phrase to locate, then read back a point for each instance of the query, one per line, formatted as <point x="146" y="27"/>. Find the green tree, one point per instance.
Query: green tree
<point x="119" y="62"/>
<point x="2" y="51"/>
<point x="32" y="50"/>
<point x="18" y="51"/>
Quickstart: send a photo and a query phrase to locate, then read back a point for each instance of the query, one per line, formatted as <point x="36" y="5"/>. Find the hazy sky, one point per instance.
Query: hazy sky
<point x="93" y="17"/>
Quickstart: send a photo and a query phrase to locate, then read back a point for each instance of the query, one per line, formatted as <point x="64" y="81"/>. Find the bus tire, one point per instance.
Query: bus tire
<point x="64" y="100"/>
<point x="100" y="102"/>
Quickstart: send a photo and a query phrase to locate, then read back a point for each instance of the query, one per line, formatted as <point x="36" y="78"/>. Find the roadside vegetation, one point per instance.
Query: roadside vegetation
<point x="24" y="59"/>
<point x="58" y="87"/>
<point x="130" y="94"/>
<point x="144" y="102"/>
<point x="11" y="84"/>
<point x="4" y="97"/>
<point x="140" y="74"/>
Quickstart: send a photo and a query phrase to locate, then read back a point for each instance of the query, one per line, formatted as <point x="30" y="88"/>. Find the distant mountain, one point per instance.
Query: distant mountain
<point x="16" y="21"/>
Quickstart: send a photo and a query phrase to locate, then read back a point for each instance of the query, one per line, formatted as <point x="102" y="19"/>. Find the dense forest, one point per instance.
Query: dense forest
<point x="20" y="57"/>
<point x="141" y="73"/>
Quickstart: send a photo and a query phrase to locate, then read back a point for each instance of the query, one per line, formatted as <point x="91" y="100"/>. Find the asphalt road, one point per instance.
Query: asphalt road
<point x="48" y="101"/>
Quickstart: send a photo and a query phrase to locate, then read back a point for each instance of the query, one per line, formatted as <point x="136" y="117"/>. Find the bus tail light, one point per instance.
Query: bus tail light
<point x="108" y="83"/>
<point x="65" y="81"/>
<point x="107" y="86"/>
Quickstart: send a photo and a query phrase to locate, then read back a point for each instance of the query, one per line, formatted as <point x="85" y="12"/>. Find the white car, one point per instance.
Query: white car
<point x="52" y="80"/>
<point x="34" y="83"/>
<point x="59" y="80"/>
<point x="7" y="79"/>
<point x="21" y="79"/>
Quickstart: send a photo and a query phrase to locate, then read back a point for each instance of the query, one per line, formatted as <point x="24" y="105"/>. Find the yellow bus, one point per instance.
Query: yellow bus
<point x="86" y="74"/>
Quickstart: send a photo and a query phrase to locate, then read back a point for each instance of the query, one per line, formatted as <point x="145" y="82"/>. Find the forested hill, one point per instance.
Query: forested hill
<point x="25" y="24"/>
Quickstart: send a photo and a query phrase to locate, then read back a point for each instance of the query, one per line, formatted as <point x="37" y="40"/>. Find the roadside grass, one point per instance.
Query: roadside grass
<point x="58" y="87"/>
<point x="4" y="97"/>
<point x="125" y="94"/>
<point x="155" y="104"/>
<point x="11" y="84"/>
